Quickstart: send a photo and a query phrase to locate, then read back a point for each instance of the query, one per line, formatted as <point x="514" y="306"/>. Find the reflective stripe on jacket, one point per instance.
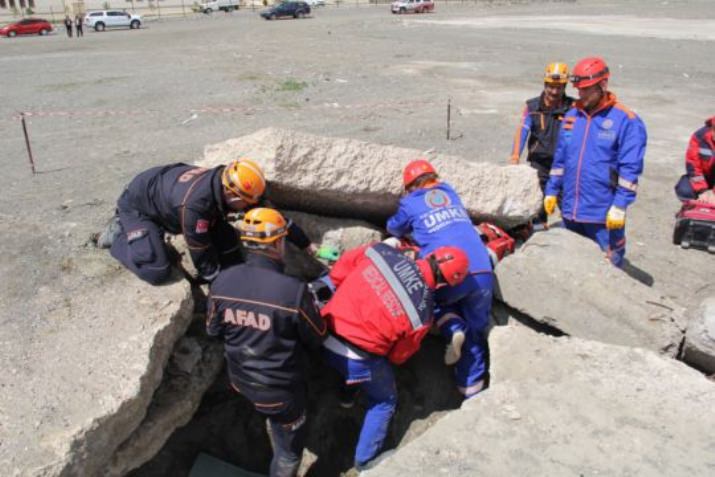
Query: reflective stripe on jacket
<point x="540" y="125"/>
<point x="382" y="303"/>
<point x="598" y="160"/>
<point x="266" y="318"/>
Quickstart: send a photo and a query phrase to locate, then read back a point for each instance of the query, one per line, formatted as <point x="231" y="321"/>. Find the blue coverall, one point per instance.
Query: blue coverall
<point x="435" y="217"/>
<point x="596" y="165"/>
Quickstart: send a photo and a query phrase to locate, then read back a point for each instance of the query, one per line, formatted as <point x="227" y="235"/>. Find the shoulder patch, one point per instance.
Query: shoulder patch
<point x="622" y="107"/>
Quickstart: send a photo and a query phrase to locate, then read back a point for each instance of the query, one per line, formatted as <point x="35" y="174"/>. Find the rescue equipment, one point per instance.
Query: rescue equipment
<point x="695" y="226"/>
<point x="499" y="243"/>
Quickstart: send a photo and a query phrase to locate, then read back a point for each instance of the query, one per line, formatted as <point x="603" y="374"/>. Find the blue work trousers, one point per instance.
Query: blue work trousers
<point x="613" y="242"/>
<point x="469" y="314"/>
<point x="376" y="380"/>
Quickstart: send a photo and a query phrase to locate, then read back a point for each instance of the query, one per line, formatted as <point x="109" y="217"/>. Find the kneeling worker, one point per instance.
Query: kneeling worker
<point x="187" y="200"/>
<point x="182" y="199"/>
<point x="381" y="311"/>
<point x="267" y="319"/>
<point x="699" y="180"/>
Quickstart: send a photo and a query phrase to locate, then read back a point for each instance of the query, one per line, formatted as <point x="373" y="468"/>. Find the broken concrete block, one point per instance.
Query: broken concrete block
<point x="350" y="178"/>
<point x="699" y="349"/>
<point x="566" y="406"/>
<point x="561" y="279"/>
<point x="81" y="374"/>
<point x="173" y="405"/>
<point x="341" y="234"/>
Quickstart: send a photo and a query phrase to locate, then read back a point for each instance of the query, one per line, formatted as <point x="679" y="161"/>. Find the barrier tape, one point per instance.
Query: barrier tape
<point x="212" y="110"/>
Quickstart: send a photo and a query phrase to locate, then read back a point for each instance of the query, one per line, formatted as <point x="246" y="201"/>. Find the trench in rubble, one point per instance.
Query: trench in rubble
<point x="227" y="427"/>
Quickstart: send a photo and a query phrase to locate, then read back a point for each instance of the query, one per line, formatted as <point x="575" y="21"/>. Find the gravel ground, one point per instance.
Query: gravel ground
<point x="120" y="101"/>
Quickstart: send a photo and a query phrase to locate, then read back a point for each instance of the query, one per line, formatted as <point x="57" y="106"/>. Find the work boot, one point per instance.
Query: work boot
<point x="347" y="395"/>
<point x="454" y="348"/>
<point x="110" y="233"/>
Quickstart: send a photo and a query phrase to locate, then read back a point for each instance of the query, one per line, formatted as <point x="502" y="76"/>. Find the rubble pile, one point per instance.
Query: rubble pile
<point x="355" y="179"/>
<point x="607" y="397"/>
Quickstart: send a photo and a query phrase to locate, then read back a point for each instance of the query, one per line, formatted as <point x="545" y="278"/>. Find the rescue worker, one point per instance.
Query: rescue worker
<point x="597" y="161"/>
<point x="381" y="310"/>
<point x="699" y="180"/>
<point x="431" y="215"/>
<point x="540" y="123"/>
<point x="188" y="200"/>
<point x="267" y="319"/>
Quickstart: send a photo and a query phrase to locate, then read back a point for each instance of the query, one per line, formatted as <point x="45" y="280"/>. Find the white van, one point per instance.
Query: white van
<point x="112" y="19"/>
<point x="216" y="5"/>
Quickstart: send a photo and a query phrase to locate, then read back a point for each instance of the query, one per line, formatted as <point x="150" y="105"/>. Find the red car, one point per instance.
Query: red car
<point x="28" y="26"/>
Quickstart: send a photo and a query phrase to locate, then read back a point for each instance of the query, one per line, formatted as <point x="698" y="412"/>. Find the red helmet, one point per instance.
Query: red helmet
<point x="416" y="169"/>
<point x="450" y="263"/>
<point x="589" y="71"/>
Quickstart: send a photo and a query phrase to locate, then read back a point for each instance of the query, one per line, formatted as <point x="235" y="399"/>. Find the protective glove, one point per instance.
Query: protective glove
<point x="549" y="204"/>
<point x="616" y="218"/>
<point x="708" y="197"/>
<point x="326" y="252"/>
<point x="393" y="242"/>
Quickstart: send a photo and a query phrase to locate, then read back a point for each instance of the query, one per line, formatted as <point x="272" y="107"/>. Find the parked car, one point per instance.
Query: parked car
<point x="112" y="19"/>
<point x="28" y="26"/>
<point x="287" y="9"/>
<point x="412" y="6"/>
<point x="218" y="5"/>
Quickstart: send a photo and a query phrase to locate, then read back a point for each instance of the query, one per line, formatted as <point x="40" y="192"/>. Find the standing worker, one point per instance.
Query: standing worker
<point x="540" y="123"/>
<point x="78" y="25"/>
<point x="68" y="26"/>
<point x="381" y="310"/>
<point x="597" y="162"/>
<point x="266" y="319"/>
<point x="699" y="179"/>
<point x="431" y="215"/>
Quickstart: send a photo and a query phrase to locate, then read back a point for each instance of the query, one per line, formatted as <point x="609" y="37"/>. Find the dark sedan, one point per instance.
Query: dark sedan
<point x="287" y="9"/>
<point x="28" y="26"/>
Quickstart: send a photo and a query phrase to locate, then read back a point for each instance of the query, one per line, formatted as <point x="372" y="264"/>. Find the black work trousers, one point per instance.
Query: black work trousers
<point x="285" y="410"/>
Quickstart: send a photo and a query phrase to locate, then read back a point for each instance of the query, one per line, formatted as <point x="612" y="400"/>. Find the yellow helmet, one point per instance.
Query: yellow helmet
<point x="263" y="226"/>
<point x="556" y="73"/>
<point x="244" y="178"/>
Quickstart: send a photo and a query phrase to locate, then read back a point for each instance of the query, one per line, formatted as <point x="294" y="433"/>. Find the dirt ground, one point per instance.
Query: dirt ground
<point x="106" y="106"/>
<point x="111" y="104"/>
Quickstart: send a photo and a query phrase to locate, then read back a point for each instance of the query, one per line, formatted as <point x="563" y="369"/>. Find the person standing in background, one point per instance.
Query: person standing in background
<point x="78" y="25"/>
<point x="68" y="26"/>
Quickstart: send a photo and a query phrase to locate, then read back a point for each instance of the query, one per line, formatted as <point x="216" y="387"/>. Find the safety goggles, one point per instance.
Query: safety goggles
<point x="578" y="79"/>
<point x="555" y="78"/>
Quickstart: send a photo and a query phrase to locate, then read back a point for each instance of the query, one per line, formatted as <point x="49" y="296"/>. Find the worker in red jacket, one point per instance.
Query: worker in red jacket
<point x="381" y="311"/>
<point x="699" y="180"/>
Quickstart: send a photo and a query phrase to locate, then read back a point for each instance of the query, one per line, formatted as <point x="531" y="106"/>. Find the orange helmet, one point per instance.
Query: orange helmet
<point x="556" y="73"/>
<point x="449" y="265"/>
<point x="416" y="169"/>
<point x="244" y="178"/>
<point x="589" y="71"/>
<point x="263" y="226"/>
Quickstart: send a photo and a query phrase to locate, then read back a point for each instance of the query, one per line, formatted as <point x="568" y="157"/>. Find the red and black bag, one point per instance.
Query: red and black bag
<point x="695" y="226"/>
<point x="499" y="243"/>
